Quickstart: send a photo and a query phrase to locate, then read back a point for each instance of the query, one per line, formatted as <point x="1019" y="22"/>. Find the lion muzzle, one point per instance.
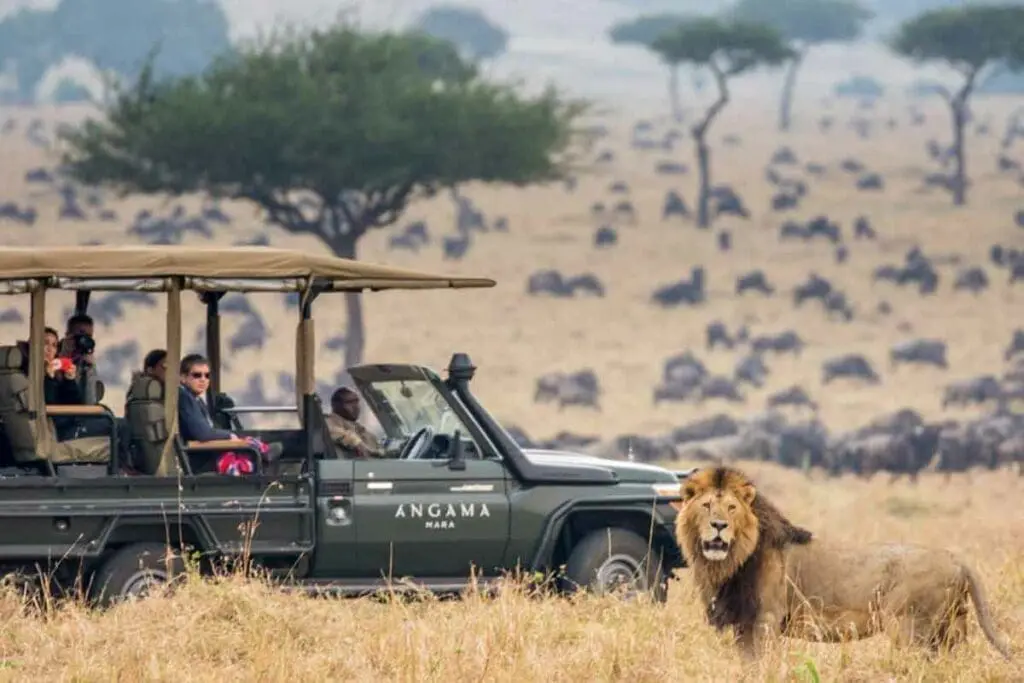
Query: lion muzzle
<point x="716" y="548"/>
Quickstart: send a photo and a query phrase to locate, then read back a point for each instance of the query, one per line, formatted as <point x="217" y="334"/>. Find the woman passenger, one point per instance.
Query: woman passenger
<point x="59" y="385"/>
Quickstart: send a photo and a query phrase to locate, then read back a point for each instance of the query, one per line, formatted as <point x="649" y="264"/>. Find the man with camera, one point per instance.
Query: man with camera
<point x="80" y="346"/>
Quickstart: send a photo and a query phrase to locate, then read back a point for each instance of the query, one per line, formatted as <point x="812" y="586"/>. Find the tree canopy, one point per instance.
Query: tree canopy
<point x="644" y="30"/>
<point x="807" y="21"/>
<point x="967" y="38"/>
<point x="727" y="47"/>
<point x="115" y="35"/>
<point x="468" y="28"/>
<point x="360" y="123"/>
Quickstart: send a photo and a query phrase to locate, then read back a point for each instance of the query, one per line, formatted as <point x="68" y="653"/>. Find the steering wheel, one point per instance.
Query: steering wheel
<point x="417" y="444"/>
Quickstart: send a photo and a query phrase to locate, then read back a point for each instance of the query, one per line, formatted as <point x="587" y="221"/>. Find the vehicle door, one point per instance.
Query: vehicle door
<point x="336" y="549"/>
<point x="430" y="518"/>
<point x="422" y="519"/>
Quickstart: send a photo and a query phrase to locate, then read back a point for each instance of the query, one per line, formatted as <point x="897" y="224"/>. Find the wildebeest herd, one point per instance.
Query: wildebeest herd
<point x="730" y="274"/>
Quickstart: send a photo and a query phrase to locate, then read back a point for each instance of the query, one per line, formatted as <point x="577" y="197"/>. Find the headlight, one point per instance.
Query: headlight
<point x="673" y="490"/>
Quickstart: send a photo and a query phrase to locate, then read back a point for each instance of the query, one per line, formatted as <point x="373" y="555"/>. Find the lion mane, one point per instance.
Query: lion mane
<point x="765" y="577"/>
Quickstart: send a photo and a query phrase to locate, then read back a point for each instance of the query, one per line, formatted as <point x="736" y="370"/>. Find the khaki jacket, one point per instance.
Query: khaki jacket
<point x="352" y="435"/>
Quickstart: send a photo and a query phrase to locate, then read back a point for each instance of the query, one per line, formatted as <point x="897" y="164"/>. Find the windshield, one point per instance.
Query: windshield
<point x="405" y="406"/>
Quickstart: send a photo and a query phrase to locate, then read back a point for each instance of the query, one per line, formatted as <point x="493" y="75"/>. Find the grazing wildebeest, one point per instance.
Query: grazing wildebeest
<point x="848" y="365"/>
<point x="925" y="351"/>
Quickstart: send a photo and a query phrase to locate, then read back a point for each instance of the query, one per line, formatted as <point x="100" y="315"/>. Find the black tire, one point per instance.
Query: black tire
<point x="603" y="558"/>
<point x="129" y="571"/>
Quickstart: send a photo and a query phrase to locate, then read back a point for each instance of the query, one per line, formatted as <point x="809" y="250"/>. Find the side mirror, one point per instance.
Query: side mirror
<point x="101" y="390"/>
<point x="457" y="460"/>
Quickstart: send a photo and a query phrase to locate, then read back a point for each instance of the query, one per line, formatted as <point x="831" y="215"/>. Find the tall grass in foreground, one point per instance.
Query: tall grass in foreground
<point x="233" y="628"/>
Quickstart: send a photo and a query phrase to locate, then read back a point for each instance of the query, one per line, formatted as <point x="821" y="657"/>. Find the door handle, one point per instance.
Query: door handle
<point x="337" y="511"/>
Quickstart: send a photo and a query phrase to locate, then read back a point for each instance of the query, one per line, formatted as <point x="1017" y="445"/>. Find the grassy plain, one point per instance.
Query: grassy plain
<point x="242" y="630"/>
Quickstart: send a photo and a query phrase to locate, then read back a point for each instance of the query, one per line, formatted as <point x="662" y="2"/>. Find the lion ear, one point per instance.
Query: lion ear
<point x="689" y="492"/>
<point x="748" y="493"/>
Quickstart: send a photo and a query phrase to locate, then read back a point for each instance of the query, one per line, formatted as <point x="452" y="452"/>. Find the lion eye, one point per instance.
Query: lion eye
<point x="732" y="508"/>
<point x="707" y="505"/>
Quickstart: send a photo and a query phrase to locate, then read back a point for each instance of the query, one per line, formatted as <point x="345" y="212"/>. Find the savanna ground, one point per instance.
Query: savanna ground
<point x="238" y="630"/>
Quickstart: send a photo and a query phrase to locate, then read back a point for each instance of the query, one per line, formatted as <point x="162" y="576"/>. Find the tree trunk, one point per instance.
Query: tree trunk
<point x="960" y="169"/>
<point x="704" y="176"/>
<point x="355" y="334"/>
<point x="673" y="92"/>
<point x="700" y="134"/>
<point x="958" y="104"/>
<point x="788" y="86"/>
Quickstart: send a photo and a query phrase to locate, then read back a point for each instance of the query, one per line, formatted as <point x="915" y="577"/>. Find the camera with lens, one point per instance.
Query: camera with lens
<point x="83" y="344"/>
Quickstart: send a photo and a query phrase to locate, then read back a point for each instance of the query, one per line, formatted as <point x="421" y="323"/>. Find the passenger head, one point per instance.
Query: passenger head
<point x="80" y="323"/>
<point x="345" y="402"/>
<point x="155" y="364"/>
<point x="51" y="342"/>
<point x="195" y="373"/>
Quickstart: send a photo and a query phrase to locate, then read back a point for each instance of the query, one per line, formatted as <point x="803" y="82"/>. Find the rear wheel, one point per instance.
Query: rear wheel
<point x="616" y="561"/>
<point x="133" y="571"/>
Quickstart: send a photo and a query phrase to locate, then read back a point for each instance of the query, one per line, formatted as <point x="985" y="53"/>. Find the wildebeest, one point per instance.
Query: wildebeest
<point x="925" y="351"/>
<point x="848" y="365"/>
<point x="579" y="388"/>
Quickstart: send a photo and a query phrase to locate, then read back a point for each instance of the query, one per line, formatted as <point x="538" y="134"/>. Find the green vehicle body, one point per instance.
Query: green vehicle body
<point x="472" y="507"/>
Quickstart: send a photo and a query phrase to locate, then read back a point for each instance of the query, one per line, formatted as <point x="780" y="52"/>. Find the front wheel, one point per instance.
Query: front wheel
<point x="132" y="571"/>
<point x="614" y="560"/>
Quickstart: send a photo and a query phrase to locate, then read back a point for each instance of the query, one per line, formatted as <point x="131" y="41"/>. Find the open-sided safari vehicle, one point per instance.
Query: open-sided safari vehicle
<point x="458" y="500"/>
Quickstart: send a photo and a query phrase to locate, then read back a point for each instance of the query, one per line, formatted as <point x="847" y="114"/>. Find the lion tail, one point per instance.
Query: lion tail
<point x="981" y="605"/>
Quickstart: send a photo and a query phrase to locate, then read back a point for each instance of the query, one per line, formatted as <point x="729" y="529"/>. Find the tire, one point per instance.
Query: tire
<point x="129" y="572"/>
<point x="608" y="555"/>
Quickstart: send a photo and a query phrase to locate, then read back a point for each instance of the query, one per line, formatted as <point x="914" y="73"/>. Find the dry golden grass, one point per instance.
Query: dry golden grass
<point x="233" y="629"/>
<point x="236" y="630"/>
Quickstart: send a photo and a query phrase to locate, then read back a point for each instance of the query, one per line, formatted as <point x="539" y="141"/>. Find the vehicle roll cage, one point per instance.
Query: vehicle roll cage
<point x="209" y="271"/>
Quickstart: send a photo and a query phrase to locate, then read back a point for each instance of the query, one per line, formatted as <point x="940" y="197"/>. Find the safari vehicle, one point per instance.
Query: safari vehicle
<point x="457" y="501"/>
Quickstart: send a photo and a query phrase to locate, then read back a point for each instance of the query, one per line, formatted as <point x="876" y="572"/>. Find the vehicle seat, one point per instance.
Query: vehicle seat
<point x="20" y="431"/>
<point x="144" y="412"/>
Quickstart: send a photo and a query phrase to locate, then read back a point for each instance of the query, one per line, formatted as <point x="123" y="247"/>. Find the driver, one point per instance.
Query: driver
<point x="346" y="432"/>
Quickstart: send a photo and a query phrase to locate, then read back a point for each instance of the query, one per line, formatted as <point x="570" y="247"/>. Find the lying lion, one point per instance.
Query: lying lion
<point x="765" y="577"/>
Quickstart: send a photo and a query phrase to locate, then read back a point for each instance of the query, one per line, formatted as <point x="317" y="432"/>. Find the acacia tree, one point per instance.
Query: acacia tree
<point x="726" y="48"/>
<point x="469" y="29"/>
<point x="971" y="40"/>
<point x="645" y="31"/>
<point x="805" y="24"/>
<point x="332" y="133"/>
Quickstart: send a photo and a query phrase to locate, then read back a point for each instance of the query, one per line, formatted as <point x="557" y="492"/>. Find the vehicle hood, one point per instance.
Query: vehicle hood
<point x="628" y="472"/>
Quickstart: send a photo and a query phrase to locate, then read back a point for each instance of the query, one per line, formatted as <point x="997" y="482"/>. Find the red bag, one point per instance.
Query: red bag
<point x="234" y="465"/>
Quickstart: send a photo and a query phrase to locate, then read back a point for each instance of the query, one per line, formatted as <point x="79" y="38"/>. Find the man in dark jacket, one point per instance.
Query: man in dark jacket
<point x="194" y="420"/>
<point x="195" y="423"/>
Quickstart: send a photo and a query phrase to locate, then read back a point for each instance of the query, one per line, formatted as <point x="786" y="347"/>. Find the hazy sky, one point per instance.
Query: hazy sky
<point x="563" y="40"/>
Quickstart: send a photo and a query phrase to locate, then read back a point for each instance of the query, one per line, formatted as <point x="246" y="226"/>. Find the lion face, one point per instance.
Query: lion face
<point x="719" y="514"/>
<point x="717" y="520"/>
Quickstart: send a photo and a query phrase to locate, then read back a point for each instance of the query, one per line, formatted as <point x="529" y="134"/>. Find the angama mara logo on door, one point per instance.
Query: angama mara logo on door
<point x="441" y="515"/>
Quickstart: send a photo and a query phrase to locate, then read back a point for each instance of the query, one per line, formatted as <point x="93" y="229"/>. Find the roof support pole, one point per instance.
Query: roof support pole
<point x="37" y="373"/>
<point x="168" y="458"/>
<point x="212" y="301"/>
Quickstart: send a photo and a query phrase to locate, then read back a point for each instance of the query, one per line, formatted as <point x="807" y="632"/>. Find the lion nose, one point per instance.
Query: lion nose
<point x="719" y="526"/>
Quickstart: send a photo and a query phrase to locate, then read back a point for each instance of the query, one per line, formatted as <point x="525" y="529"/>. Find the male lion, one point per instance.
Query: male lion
<point x="765" y="577"/>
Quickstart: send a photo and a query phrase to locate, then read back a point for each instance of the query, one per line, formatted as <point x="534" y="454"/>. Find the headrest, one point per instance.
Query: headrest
<point x="146" y="388"/>
<point x="11" y="358"/>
